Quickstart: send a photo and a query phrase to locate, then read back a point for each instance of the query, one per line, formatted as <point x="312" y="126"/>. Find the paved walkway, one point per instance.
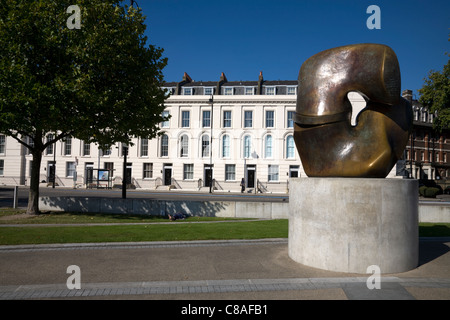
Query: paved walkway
<point x="202" y="270"/>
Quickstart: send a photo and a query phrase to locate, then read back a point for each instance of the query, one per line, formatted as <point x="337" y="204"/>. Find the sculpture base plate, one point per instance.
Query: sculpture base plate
<point x="349" y="224"/>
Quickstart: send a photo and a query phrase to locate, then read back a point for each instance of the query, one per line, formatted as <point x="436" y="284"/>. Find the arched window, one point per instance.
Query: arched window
<point x="226" y="146"/>
<point x="268" y="147"/>
<point x="164" y="152"/>
<point x="290" y="147"/>
<point x="247" y="146"/>
<point x="184" y="146"/>
<point x="205" y="146"/>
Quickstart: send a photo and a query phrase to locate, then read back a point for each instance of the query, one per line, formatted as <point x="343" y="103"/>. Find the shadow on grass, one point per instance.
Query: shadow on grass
<point x="434" y="230"/>
<point x="103" y="216"/>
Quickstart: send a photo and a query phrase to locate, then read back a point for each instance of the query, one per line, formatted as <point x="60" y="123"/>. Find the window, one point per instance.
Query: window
<point x="290" y="119"/>
<point x="249" y="91"/>
<point x="188" y="171"/>
<point x="86" y="148"/>
<point x="165" y="114"/>
<point x="206" y="119"/>
<point x="228" y="91"/>
<point x="109" y="166"/>
<point x="48" y="150"/>
<point x="208" y="91"/>
<point x="185" y="117"/>
<point x="70" y="169"/>
<point x="68" y="146"/>
<point x="248" y="119"/>
<point x="227" y="119"/>
<point x="270" y="91"/>
<point x="148" y="170"/>
<point x="226" y="146"/>
<point x="187" y="91"/>
<point x="268" y="147"/>
<point x="2" y="144"/>
<point x="290" y="147"/>
<point x="184" y="146"/>
<point x="30" y="142"/>
<point x="144" y="147"/>
<point x="230" y="172"/>
<point x="105" y="152"/>
<point x="416" y="114"/>
<point x="247" y="146"/>
<point x="125" y="149"/>
<point x="270" y="119"/>
<point x="424" y="115"/>
<point x="205" y="146"/>
<point x="2" y="167"/>
<point x="164" y="152"/>
<point x="291" y="91"/>
<point x="273" y="173"/>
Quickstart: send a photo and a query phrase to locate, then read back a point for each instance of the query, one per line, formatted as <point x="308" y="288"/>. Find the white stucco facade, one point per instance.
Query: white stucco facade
<point x="252" y="138"/>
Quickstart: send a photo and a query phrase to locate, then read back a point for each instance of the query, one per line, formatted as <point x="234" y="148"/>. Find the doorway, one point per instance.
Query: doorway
<point x="208" y="174"/>
<point x="251" y="175"/>
<point x="51" y="168"/>
<point x="89" y="172"/>
<point x="293" y="171"/>
<point x="128" y="173"/>
<point x="167" y="174"/>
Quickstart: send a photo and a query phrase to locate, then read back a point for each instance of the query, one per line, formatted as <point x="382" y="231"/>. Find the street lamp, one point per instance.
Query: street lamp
<point x="54" y="163"/>
<point x="124" y="176"/>
<point x="211" y="100"/>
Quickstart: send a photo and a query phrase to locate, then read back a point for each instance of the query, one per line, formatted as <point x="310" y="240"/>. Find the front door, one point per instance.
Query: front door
<point x="89" y="169"/>
<point x="167" y="175"/>
<point x="251" y="176"/>
<point x="208" y="175"/>
<point x="51" y="171"/>
<point x="128" y="173"/>
<point x="293" y="171"/>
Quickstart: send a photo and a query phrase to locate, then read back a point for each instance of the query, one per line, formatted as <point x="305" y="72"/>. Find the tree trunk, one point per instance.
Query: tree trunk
<point x="33" y="198"/>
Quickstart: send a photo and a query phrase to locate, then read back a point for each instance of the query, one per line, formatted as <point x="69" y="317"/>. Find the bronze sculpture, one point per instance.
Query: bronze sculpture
<point x="328" y="145"/>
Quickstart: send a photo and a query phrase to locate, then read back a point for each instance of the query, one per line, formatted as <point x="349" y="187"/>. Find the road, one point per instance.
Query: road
<point x="6" y="195"/>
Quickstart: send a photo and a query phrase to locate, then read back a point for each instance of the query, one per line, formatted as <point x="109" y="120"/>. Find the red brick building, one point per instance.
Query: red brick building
<point x="427" y="153"/>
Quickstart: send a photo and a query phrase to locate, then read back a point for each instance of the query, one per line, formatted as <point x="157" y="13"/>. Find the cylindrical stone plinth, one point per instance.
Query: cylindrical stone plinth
<point x="349" y="224"/>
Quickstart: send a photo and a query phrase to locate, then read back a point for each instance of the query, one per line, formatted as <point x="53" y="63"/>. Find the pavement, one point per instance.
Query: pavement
<point x="193" y="272"/>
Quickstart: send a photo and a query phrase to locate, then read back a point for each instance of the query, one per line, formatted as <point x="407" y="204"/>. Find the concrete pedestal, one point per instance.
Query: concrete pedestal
<point x="348" y="224"/>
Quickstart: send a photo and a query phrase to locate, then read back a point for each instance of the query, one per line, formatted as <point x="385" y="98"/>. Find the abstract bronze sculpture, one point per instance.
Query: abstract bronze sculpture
<point x="328" y="145"/>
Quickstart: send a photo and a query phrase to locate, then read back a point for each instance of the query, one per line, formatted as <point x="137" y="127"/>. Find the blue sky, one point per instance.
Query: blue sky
<point x="243" y="37"/>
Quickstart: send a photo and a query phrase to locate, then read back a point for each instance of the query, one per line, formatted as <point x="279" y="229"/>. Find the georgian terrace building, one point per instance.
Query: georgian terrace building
<point x="218" y="133"/>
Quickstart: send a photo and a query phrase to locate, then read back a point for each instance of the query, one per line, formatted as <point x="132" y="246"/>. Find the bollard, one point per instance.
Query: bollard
<point x="16" y="197"/>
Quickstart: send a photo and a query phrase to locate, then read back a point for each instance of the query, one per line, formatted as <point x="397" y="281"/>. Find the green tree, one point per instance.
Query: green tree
<point x="435" y="95"/>
<point x="100" y="83"/>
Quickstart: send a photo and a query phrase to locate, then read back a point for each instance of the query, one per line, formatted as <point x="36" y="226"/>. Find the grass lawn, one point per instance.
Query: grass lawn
<point x="145" y="232"/>
<point x="147" y="229"/>
<point x="14" y="216"/>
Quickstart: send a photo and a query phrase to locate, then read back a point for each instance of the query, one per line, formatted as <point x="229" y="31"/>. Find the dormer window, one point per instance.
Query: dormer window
<point x="228" y="91"/>
<point x="291" y="91"/>
<point x="270" y="91"/>
<point x="208" y="91"/>
<point x="248" y="91"/>
<point x="187" y="91"/>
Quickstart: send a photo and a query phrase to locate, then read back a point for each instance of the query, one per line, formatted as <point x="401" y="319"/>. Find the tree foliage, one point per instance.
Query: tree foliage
<point x="100" y="83"/>
<point x="435" y="95"/>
